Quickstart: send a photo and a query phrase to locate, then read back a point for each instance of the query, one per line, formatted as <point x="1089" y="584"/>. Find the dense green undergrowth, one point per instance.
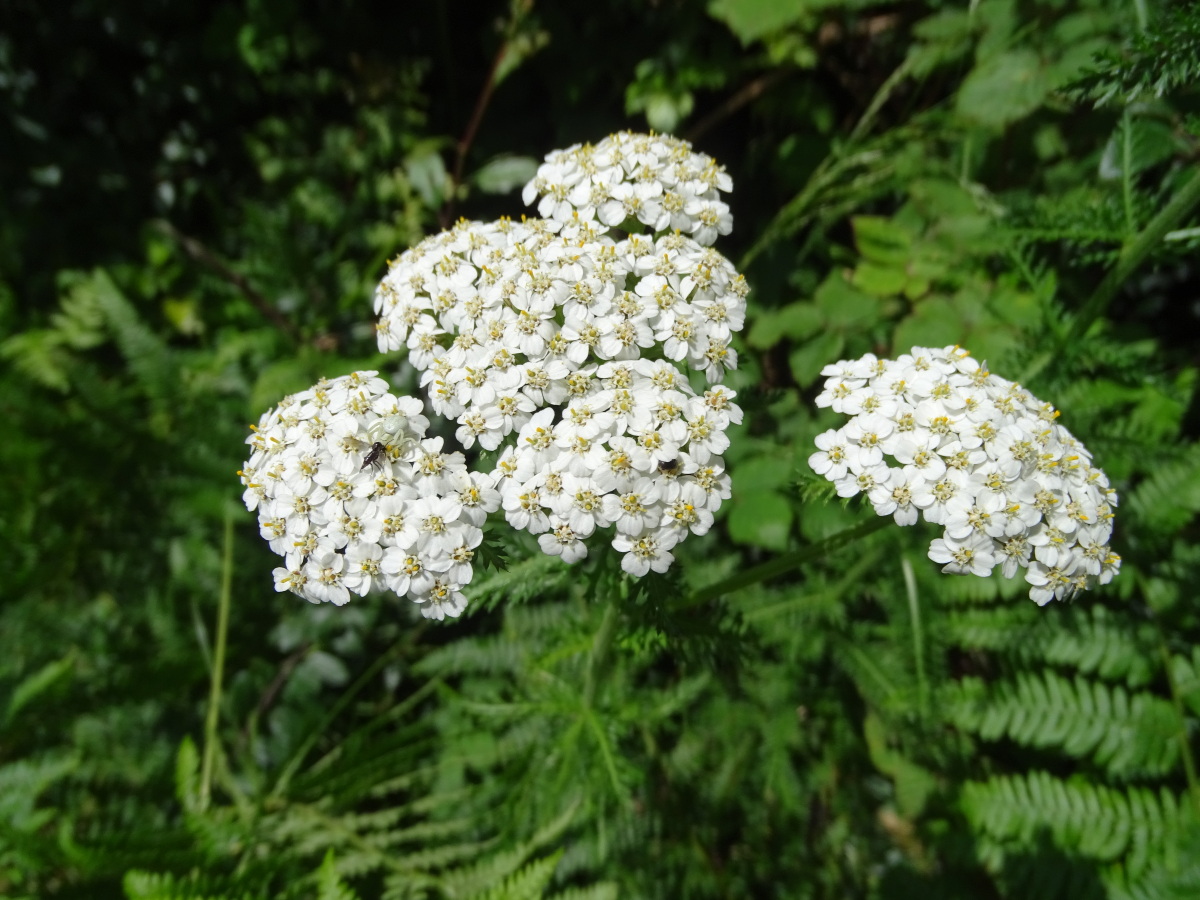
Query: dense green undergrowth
<point x="199" y="202"/>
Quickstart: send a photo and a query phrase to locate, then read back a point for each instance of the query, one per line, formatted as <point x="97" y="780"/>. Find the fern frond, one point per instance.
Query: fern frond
<point x="1170" y="496"/>
<point x="527" y="883"/>
<point x="148" y="357"/>
<point x="1087" y="638"/>
<point x="44" y="354"/>
<point x="1185" y="676"/>
<point x="1127" y="734"/>
<point x="1081" y="818"/>
<point x="535" y="574"/>
<point x="141" y="885"/>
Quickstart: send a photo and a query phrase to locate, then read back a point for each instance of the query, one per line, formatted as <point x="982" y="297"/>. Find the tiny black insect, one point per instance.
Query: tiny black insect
<point x="375" y="456"/>
<point x="668" y="466"/>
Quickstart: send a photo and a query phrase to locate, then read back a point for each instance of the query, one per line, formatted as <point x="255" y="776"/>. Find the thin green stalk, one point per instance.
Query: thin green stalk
<point x="881" y="97"/>
<point x="1127" y="170"/>
<point x="914" y="614"/>
<point x="786" y="563"/>
<point x="1185" y="747"/>
<point x="218" y="665"/>
<point x="301" y="752"/>
<point x="1132" y="256"/>
<point x="828" y="168"/>
<point x="1136" y="251"/>
<point x="1143" y="14"/>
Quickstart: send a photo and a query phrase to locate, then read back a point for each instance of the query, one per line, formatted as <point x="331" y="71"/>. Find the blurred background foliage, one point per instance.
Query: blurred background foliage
<point x="198" y="201"/>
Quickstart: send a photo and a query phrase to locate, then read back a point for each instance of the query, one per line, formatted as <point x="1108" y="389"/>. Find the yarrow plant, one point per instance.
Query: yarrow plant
<point x="562" y="343"/>
<point x="976" y="454"/>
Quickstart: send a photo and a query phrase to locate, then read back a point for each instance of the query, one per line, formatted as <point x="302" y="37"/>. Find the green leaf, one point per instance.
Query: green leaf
<point x="503" y="174"/>
<point x="427" y="173"/>
<point x="882" y="240"/>
<point x="760" y="518"/>
<point x="750" y="20"/>
<point x="845" y="306"/>
<point x="914" y="784"/>
<point x="37" y="684"/>
<point x="329" y="885"/>
<point x="761" y="473"/>
<point x="187" y="775"/>
<point x="1003" y="89"/>
<point x="807" y="361"/>
<point x="879" y="281"/>
<point x="796" y="320"/>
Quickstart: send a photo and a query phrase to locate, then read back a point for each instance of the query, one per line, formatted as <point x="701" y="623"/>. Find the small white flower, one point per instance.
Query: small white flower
<point x="971" y="556"/>
<point x="645" y="553"/>
<point x="563" y="541"/>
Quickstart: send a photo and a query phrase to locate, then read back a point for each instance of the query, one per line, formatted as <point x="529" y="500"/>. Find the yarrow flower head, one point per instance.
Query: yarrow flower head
<point x="583" y="351"/>
<point x="934" y="434"/>
<point x="355" y="498"/>
<point x="565" y="341"/>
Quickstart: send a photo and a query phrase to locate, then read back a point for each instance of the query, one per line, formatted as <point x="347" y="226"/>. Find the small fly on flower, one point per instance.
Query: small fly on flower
<point x="668" y="466"/>
<point x="375" y="456"/>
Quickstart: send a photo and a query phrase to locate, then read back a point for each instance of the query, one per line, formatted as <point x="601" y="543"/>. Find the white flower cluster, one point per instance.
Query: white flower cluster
<point x="502" y="317"/>
<point x="355" y="498"/>
<point x="978" y="455"/>
<point x="638" y="451"/>
<point x="657" y="180"/>
<point x="569" y="317"/>
<point x="560" y="341"/>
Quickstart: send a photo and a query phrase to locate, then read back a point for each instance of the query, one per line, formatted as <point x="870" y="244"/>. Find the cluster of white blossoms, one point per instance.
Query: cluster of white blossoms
<point x="639" y="452"/>
<point x="563" y="342"/>
<point x="355" y="498"/>
<point x="657" y="180"/>
<point x="572" y="327"/>
<point x="976" y="454"/>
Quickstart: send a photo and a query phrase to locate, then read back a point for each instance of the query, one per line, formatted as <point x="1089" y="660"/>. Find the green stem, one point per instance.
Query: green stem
<point x="1136" y="251"/>
<point x="1143" y="14"/>
<point x="881" y="97"/>
<point x="914" y="614"/>
<point x="1132" y="256"/>
<point x="301" y="752"/>
<point x="1185" y="747"/>
<point x="1127" y="170"/>
<point x="789" y="218"/>
<point x="218" y="665"/>
<point x="785" y="563"/>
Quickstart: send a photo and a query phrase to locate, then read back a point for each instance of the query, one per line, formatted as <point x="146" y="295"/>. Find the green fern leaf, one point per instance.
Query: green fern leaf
<point x="1170" y="495"/>
<point x="1091" y="639"/>
<point x="528" y="883"/>
<point x="148" y="357"/>
<point x="329" y="884"/>
<point x="1127" y="734"/>
<point x="1086" y="819"/>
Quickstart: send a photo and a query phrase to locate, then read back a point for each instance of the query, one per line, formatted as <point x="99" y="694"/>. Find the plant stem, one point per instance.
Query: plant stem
<point x="372" y="671"/>
<point x="1136" y="251"/>
<point x="914" y="614"/>
<point x="785" y="563"/>
<point x="218" y="665"/>
<point x="1185" y="747"/>
<point x="1132" y="256"/>
<point x="788" y="219"/>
